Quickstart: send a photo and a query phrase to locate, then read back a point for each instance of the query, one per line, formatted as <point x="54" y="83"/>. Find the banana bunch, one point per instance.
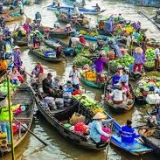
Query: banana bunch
<point x="82" y="32"/>
<point x="93" y="34"/>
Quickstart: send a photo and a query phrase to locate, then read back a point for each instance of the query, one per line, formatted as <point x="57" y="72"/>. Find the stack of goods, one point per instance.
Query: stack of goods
<point x="4" y="87"/>
<point x="23" y="32"/>
<point x="92" y="33"/>
<point x="89" y="75"/>
<point x="59" y="103"/>
<point x="50" y="53"/>
<point x="125" y="61"/>
<point x="150" y="57"/>
<point x="148" y="85"/>
<point x="81" y="61"/>
<point x="89" y="103"/>
<point x="67" y="96"/>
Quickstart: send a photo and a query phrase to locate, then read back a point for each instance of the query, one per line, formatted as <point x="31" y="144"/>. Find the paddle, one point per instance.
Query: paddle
<point x="31" y="132"/>
<point x="108" y="146"/>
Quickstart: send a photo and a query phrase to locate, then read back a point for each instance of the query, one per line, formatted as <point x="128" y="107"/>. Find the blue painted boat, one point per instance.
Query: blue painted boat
<point x="136" y="148"/>
<point x="82" y="10"/>
<point x="54" y="43"/>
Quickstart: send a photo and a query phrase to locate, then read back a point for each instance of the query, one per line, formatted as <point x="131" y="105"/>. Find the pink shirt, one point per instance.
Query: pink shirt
<point x="14" y="75"/>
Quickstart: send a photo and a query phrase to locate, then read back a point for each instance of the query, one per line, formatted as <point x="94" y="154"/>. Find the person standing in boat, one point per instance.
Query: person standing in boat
<point x="36" y="41"/>
<point x="38" y="18"/>
<point x="16" y="58"/>
<point x="75" y="77"/>
<point x="138" y="60"/>
<point x="59" y="52"/>
<point x="99" y="66"/>
<point x="128" y="134"/>
<point x="4" y="120"/>
<point x="98" y="132"/>
<point x="21" y="8"/>
<point x="157" y="56"/>
<point x="108" y="27"/>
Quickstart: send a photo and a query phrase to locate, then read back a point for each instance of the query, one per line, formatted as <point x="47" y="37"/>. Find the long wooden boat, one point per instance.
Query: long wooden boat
<point x="20" y="43"/>
<point x="56" y="32"/>
<point x="14" y="17"/>
<point x="150" y="134"/>
<point x="148" y="69"/>
<point x="90" y="83"/>
<point x="57" y="119"/>
<point x="82" y="10"/>
<point x="25" y="97"/>
<point x="40" y="53"/>
<point x="120" y="108"/>
<point x="54" y="43"/>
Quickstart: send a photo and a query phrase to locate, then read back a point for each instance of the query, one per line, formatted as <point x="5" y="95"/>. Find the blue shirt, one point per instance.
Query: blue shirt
<point x="128" y="135"/>
<point x="115" y="79"/>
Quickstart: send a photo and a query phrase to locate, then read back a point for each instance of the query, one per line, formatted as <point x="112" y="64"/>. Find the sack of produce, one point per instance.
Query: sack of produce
<point x="153" y="99"/>
<point x="76" y="117"/>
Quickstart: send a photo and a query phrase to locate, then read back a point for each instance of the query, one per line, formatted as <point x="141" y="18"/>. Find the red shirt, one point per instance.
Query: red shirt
<point x="82" y="40"/>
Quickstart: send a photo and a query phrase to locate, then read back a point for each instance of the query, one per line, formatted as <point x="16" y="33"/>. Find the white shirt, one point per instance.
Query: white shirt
<point x="157" y="52"/>
<point x="75" y="77"/>
<point x="117" y="95"/>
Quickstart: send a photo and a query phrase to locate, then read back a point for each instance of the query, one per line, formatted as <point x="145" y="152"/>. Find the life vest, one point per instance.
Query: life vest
<point x="3" y="65"/>
<point x="4" y="114"/>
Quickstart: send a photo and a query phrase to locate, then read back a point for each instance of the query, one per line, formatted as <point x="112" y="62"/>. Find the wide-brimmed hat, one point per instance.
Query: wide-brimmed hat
<point x="68" y="25"/>
<point x="138" y="50"/>
<point x="99" y="115"/>
<point x="80" y="35"/>
<point x="16" y="47"/>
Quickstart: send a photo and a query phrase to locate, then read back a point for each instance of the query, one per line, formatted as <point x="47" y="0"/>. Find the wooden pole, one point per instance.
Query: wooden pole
<point x="10" y="118"/>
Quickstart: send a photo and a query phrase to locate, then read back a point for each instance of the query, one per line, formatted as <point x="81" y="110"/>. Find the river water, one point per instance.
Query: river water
<point x="58" y="147"/>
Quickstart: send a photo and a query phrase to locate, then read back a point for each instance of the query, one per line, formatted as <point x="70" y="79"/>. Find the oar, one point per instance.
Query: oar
<point x="31" y="132"/>
<point x="108" y="146"/>
<point x="26" y="72"/>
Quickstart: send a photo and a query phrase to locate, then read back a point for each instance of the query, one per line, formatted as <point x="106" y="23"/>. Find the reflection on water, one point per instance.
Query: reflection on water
<point x="58" y="147"/>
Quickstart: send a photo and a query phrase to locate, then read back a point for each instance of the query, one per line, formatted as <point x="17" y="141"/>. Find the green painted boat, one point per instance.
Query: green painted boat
<point x="91" y="84"/>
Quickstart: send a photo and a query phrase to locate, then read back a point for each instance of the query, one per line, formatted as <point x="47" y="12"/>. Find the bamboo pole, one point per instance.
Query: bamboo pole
<point x="10" y="118"/>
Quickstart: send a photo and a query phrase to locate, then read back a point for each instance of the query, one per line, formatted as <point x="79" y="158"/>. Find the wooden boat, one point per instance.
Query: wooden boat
<point x="62" y="19"/>
<point x="54" y="43"/>
<point x="20" y="43"/>
<point x="90" y="83"/>
<point x="57" y="121"/>
<point x="148" y="69"/>
<point x="120" y="108"/>
<point x="24" y="96"/>
<point x="40" y="53"/>
<point x="151" y="134"/>
<point x="56" y="32"/>
<point x="13" y="17"/>
<point x="82" y="10"/>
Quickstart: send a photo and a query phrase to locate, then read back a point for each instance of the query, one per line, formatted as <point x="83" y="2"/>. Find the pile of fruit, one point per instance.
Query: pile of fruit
<point x="92" y="33"/>
<point x="89" y="103"/>
<point x="80" y="61"/>
<point x="4" y="87"/>
<point x="148" y="83"/>
<point x="125" y="61"/>
<point x="150" y="56"/>
<point x="89" y="75"/>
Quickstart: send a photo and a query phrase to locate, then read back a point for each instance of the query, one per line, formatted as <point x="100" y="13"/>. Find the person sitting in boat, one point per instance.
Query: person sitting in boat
<point x="2" y="48"/>
<point x="124" y="77"/>
<point x="137" y="26"/>
<point x="97" y="7"/>
<point x="38" y="71"/>
<point x="99" y="66"/>
<point x="38" y="17"/>
<point x="68" y="28"/>
<point x="108" y="27"/>
<point x="4" y="120"/>
<point x="75" y="77"/>
<point x="128" y="134"/>
<point x="138" y="60"/>
<point x="57" y="83"/>
<point x="98" y="132"/>
<point x="157" y="56"/>
<point x="36" y="41"/>
<point x="15" y="76"/>
<point x="59" y="52"/>
<point x="16" y="58"/>
<point x="118" y="95"/>
<point x="1" y="8"/>
<point x="116" y="79"/>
